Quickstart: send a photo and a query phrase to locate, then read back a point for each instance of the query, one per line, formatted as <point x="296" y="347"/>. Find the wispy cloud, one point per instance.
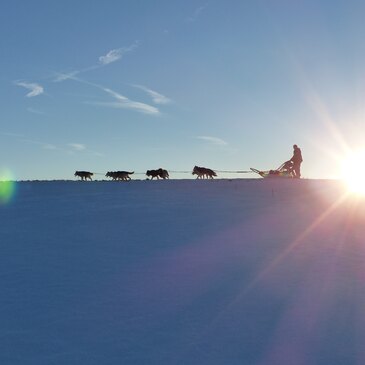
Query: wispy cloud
<point x="111" y="56"/>
<point x="35" y="89"/>
<point x="197" y="12"/>
<point x="43" y="145"/>
<point x="69" y="148"/>
<point x="214" y="140"/>
<point x="123" y="102"/>
<point x="77" y="146"/>
<point x="62" y="76"/>
<point x="156" y="97"/>
<point x="128" y="104"/>
<point x="73" y="148"/>
<point x="116" y="54"/>
<point x="22" y="138"/>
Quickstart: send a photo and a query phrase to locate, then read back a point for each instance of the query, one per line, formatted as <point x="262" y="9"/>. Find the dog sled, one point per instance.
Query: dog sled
<point x="284" y="171"/>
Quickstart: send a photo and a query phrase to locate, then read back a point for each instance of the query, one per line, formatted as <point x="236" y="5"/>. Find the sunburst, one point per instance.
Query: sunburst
<point x="353" y="172"/>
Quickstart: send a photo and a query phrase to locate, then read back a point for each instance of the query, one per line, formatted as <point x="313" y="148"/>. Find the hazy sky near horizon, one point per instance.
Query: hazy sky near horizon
<point x="136" y="85"/>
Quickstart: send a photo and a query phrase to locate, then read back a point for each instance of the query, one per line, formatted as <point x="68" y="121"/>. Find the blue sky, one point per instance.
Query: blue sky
<point x="137" y="85"/>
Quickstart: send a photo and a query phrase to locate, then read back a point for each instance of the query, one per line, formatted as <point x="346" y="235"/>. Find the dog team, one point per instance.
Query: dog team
<point x="201" y="172"/>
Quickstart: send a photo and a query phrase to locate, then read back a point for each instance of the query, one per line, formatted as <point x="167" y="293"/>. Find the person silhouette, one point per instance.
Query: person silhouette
<point x="297" y="160"/>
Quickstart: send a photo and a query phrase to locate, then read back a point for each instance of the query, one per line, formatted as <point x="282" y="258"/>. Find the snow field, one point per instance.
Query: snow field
<point x="182" y="272"/>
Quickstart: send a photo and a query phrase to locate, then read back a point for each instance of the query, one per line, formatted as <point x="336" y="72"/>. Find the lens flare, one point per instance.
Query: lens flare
<point x="7" y="186"/>
<point x="353" y="172"/>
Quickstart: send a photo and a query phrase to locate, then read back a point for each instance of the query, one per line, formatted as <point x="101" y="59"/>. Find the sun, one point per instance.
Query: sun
<point x="353" y="172"/>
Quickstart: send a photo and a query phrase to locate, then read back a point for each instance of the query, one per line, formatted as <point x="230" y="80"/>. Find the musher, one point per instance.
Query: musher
<point x="297" y="160"/>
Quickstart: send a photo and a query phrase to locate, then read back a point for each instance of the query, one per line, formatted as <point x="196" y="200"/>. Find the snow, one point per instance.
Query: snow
<point x="182" y="272"/>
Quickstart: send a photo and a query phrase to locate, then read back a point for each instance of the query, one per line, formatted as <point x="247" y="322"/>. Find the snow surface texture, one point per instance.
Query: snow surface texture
<point x="182" y="272"/>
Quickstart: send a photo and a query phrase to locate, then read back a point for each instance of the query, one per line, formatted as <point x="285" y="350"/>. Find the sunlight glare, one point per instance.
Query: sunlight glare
<point x="353" y="172"/>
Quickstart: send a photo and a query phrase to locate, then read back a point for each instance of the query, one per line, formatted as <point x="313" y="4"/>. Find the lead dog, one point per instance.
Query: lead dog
<point x="84" y="175"/>
<point x="119" y="175"/>
<point x="203" y="172"/>
<point x="160" y="173"/>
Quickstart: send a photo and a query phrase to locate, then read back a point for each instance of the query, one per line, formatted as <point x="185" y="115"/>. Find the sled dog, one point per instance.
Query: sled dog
<point x="84" y="175"/>
<point x="119" y="175"/>
<point x="160" y="173"/>
<point x="203" y="172"/>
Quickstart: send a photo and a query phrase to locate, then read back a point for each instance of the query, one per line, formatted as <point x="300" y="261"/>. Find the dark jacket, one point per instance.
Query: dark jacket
<point x="297" y="155"/>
